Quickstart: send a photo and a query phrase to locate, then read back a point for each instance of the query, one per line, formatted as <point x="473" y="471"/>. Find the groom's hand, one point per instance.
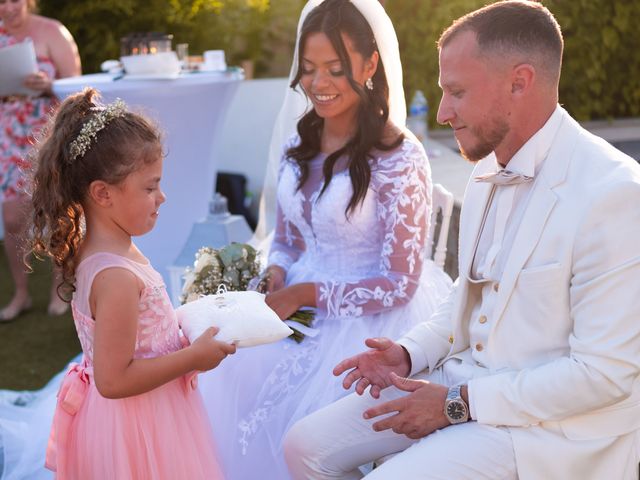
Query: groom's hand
<point x="417" y="414"/>
<point x="375" y="366"/>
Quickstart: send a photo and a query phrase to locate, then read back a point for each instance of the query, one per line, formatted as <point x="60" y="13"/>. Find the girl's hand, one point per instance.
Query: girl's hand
<point x="286" y="301"/>
<point x="39" y="82"/>
<point x="275" y="278"/>
<point x="209" y="352"/>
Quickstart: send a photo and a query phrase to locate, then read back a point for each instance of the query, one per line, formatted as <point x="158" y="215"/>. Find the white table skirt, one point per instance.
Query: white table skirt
<point x="190" y="111"/>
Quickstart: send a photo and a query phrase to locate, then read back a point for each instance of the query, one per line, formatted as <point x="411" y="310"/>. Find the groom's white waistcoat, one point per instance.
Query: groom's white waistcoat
<point x="564" y="349"/>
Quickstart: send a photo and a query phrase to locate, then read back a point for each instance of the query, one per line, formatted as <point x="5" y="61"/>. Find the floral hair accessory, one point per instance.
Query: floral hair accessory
<point x="97" y="122"/>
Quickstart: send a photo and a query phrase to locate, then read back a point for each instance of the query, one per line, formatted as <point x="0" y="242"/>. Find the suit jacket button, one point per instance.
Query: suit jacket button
<point x="482" y="319"/>
<point x="496" y="286"/>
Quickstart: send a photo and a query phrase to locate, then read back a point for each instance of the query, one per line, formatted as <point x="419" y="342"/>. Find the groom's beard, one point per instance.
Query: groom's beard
<point x="487" y="140"/>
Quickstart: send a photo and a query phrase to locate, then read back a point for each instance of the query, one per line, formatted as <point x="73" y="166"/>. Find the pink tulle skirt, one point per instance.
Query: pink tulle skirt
<point x="161" y="434"/>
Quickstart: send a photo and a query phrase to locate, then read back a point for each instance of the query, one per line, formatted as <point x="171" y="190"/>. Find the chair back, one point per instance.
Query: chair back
<point x="441" y="210"/>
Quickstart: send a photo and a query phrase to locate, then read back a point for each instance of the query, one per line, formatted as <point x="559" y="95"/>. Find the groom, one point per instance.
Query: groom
<point x="530" y="369"/>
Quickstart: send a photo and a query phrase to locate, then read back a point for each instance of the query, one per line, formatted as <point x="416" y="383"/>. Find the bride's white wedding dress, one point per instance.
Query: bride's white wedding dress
<point x="25" y="424"/>
<point x="371" y="281"/>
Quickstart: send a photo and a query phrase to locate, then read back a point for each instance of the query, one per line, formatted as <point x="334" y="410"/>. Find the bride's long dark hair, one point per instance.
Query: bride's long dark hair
<point x="334" y="17"/>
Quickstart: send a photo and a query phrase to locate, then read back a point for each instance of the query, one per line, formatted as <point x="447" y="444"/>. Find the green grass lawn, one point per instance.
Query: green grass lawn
<point x="35" y="346"/>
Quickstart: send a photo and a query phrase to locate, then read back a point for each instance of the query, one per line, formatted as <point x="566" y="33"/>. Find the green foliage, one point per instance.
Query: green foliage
<point x="35" y="346"/>
<point x="245" y="29"/>
<point x="601" y="66"/>
<point x="601" y="60"/>
<point x="419" y="24"/>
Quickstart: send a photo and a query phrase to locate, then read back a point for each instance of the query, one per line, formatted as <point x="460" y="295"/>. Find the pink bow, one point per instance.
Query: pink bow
<point x="73" y="390"/>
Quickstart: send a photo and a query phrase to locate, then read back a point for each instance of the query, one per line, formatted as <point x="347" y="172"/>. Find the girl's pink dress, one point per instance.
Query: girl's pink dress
<point x="161" y="434"/>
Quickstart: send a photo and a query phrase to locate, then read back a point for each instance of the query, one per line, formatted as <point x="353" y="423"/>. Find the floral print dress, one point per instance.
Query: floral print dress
<point x="21" y="118"/>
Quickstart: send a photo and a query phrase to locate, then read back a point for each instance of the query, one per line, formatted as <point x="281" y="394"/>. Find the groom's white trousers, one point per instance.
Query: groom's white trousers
<point x="332" y="442"/>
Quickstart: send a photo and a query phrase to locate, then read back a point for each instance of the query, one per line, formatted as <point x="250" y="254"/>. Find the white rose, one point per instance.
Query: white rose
<point x="203" y="260"/>
<point x="191" y="297"/>
<point x="189" y="277"/>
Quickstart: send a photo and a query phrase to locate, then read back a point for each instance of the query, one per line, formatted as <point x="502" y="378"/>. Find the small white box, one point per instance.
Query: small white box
<point x="214" y="61"/>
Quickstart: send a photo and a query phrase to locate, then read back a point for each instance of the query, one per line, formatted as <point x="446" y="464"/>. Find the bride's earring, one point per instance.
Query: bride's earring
<point x="369" y="84"/>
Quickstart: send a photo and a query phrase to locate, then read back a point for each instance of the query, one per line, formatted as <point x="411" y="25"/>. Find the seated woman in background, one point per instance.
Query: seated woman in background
<point x="353" y="205"/>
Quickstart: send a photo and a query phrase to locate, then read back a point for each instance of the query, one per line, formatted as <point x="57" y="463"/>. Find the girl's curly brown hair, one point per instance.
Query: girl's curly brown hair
<point x="60" y="183"/>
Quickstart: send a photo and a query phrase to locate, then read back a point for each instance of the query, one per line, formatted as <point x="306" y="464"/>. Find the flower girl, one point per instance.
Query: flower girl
<point x="130" y="409"/>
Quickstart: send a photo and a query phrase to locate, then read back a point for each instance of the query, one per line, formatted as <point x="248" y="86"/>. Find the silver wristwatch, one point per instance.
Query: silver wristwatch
<point x="455" y="408"/>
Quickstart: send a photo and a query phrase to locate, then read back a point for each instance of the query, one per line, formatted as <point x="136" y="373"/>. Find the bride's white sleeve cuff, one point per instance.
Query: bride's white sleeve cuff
<point x="280" y="259"/>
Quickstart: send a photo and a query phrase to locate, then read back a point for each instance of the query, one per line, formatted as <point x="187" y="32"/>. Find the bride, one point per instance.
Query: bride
<point x="353" y="203"/>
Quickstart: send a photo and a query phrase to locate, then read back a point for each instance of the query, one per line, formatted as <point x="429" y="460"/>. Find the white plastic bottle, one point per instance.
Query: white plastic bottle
<point x="417" y="118"/>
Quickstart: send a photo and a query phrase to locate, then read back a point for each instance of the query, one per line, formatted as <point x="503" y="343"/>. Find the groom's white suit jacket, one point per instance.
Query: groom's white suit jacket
<point x="564" y="348"/>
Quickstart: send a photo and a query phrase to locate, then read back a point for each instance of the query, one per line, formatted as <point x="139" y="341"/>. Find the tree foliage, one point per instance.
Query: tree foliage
<point x="246" y="29"/>
<point x="601" y="64"/>
<point x="601" y="67"/>
<point x="601" y="61"/>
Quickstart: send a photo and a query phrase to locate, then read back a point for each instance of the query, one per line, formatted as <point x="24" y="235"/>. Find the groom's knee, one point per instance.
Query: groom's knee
<point x="299" y="449"/>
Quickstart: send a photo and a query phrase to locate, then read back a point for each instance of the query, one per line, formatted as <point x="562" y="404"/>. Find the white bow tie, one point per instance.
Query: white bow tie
<point x="503" y="177"/>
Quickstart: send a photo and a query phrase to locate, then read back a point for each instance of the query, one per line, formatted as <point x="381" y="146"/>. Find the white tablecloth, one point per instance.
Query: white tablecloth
<point x="190" y="111"/>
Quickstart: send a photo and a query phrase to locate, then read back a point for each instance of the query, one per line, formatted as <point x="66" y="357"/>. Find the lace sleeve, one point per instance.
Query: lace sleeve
<point x="402" y="184"/>
<point x="288" y="243"/>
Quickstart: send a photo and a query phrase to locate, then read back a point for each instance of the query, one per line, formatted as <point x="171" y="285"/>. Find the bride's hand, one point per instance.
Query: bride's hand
<point x="275" y="278"/>
<point x="286" y="301"/>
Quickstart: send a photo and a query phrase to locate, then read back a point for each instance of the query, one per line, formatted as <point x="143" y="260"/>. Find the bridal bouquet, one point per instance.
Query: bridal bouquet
<point x="235" y="267"/>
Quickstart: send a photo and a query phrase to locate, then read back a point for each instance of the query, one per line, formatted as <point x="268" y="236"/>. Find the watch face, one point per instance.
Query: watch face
<point x="456" y="410"/>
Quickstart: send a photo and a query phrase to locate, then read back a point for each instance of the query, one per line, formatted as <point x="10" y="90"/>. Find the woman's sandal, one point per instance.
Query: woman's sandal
<point x="8" y="314"/>
<point x="55" y="309"/>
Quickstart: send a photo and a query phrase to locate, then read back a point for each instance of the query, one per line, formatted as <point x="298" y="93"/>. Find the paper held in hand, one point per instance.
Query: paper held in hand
<point x="242" y="317"/>
<point x="16" y="63"/>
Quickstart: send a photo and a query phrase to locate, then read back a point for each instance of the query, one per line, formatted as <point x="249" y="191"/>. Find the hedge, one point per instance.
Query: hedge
<point x="601" y="73"/>
<point x="601" y="67"/>
<point x="257" y="30"/>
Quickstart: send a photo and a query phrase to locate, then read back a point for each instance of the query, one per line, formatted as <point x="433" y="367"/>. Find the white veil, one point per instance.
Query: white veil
<point x="295" y="103"/>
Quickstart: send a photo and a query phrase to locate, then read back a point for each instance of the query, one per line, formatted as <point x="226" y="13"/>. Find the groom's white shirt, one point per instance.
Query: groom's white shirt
<point x="562" y="347"/>
<point x="504" y="213"/>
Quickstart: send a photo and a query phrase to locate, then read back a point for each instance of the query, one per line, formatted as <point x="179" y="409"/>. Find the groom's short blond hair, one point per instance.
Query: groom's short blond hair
<point x="522" y="29"/>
